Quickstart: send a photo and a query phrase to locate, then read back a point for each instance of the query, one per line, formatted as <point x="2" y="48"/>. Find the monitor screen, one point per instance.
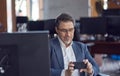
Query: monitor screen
<point x="93" y="25"/>
<point x="24" y="54"/>
<point x="35" y="25"/>
<point x="113" y="25"/>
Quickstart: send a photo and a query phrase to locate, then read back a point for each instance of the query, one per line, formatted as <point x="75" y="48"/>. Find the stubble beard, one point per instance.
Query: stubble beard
<point x="67" y="41"/>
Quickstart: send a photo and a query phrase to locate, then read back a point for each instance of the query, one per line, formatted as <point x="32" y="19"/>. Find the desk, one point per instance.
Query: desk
<point x="105" y="47"/>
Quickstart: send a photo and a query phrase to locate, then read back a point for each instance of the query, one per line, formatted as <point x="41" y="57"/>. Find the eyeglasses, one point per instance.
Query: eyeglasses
<point x="66" y="30"/>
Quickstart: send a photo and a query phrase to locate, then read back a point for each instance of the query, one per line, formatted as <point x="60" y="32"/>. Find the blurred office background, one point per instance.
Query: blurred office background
<point x="31" y="15"/>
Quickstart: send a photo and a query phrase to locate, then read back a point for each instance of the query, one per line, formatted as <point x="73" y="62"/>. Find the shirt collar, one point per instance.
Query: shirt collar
<point x="62" y="44"/>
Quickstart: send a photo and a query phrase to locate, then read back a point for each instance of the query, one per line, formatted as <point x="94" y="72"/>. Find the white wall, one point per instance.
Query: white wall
<point x="77" y="8"/>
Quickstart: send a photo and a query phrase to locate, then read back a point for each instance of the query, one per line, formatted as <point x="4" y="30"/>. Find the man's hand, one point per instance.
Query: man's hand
<point x="70" y="69"/>
<point x="89" y="68"/>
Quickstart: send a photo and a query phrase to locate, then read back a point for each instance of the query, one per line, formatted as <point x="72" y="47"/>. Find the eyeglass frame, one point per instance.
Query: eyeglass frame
<point x="66" y="30"/>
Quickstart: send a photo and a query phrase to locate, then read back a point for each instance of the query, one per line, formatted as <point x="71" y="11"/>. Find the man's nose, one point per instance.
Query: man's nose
<point x="67" y="33"/>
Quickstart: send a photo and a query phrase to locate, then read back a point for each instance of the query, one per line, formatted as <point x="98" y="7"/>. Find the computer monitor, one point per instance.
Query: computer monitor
<point x="35" y="25"/>
<point x="113" y="25"/>
<point x="93" y="25"/>
<point x="111" y="12"/>
<point x="24" y="54"/>
<point x="21" y="19"/>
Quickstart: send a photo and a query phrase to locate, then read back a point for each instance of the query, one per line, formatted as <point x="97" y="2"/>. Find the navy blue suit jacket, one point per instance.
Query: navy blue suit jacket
<point x="56" y="57"/>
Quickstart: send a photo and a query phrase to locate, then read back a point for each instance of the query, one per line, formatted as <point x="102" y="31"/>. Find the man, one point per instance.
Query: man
<point x="64" y="51"/>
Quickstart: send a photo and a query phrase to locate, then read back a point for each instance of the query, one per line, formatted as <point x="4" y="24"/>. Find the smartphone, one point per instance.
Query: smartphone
<point x="79" y="65"/>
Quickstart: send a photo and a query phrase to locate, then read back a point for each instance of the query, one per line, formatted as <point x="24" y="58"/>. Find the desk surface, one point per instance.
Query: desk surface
<point x="102" y="47"/>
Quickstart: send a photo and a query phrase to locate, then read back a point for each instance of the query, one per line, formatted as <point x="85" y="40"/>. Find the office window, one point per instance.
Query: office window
<point x="21" y="8"/>
<point x="31" y="8"/>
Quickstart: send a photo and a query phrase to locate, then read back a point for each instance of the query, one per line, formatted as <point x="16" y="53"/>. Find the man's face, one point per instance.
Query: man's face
<point x="66" y="32"/>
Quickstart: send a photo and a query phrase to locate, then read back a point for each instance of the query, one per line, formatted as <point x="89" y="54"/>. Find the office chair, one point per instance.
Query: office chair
<point x="49" y="24"/>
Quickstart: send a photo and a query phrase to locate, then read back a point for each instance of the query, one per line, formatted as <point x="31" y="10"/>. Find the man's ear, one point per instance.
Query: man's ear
<point x="56" y="29"/>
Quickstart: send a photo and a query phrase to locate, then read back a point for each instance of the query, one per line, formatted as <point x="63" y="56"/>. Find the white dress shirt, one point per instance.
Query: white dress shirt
<point x="68" y="56"/>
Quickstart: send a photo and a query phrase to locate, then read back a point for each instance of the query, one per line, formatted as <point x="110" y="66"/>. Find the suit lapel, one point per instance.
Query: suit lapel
<point x="78" y="55"/>
<point x="77" y="52"/>
<point x="59" y="55"/>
